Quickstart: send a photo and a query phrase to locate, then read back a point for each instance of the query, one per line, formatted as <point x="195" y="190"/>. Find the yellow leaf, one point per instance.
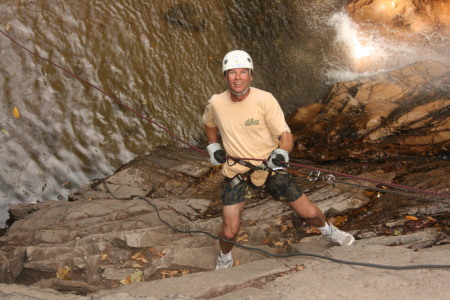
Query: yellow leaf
<point x="7" y="27"/>
<point x="184" y="272"/>
<point x="143" y="259"/>
<point x="168" y="273"/>
<point x="284" y="228"/>
<point x="137" y="276"/>
<point x="242" y="238"/>
<point x="412" y="218"/>
<point x="278" y="243"/>
<point x="63" y="273"/>
<point x="5" y="132"/>
<point x="236" y="262"/>
<point x="431" y="219"/>
<point x="16" y="112"/>
<point x="103" y="256"/>
<point x="126" y="280"/>
<point x="136" y="265"/>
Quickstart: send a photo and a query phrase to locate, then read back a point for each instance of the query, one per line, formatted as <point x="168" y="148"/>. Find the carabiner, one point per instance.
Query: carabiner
<point x="314" y="175"/>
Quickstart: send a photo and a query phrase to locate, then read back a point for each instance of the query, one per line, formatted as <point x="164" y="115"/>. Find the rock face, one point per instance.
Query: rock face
<point x="111" y="235"/>
<point x="420" y="16"/>
<point x="402" y="112"/>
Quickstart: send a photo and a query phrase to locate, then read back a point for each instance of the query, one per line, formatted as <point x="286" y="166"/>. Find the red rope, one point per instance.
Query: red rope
<point x="204" y="152"/>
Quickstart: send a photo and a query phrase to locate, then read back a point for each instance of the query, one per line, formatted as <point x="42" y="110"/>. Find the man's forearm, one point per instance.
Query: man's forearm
<point x="212" y="134"/>
<point x="286" y="141"/>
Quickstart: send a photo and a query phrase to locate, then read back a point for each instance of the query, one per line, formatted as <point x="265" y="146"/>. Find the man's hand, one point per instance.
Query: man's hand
<point x="216" y="154"/>
<point x="276" y="157"/>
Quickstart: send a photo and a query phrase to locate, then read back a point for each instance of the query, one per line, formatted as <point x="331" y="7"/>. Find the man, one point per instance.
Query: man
<point x="252" y="125"/>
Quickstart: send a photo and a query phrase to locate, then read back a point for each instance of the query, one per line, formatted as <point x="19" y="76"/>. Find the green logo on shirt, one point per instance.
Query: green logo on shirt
<point x="250" y="122"/>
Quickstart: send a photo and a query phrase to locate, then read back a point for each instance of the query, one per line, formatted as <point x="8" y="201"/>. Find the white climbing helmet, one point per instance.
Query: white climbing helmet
<point x="237" y="59"/>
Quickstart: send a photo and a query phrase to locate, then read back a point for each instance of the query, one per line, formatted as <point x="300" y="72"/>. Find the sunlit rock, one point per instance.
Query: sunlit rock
<point x="414" y="16"/>
<point x="403" y="112"/>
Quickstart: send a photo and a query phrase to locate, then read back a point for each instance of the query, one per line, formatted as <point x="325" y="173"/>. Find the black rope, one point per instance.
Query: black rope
<point x="341" y="261"/>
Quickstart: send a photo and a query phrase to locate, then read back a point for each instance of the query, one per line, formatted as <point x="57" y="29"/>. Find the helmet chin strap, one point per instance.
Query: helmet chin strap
<point x="241" y="93"/>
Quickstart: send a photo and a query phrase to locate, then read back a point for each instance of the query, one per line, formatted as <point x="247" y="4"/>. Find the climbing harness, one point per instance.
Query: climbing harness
<point x="315" y="175"/>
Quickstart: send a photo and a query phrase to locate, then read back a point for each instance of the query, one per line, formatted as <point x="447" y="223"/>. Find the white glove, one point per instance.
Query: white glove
<point x="276" y="157"/>
<point x="216" y="154"/>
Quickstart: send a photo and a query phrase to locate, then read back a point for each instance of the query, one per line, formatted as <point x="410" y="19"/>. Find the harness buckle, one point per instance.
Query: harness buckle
<point x="236" y="180"/>
<point x="314" y="176"/>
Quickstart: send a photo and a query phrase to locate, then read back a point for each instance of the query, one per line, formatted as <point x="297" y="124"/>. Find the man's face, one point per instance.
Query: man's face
<point x="239" y="79"/>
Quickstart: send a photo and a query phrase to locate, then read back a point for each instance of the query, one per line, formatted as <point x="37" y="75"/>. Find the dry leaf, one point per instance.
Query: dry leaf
<point x="7" y="27"/>
<point x="168" y="273"/>
<point x="184" y="272"/>
<point x="137" y="276"/>
<point x="278" y="243"/>
<point x="242" y="238"/>
<point x="136" y="255"/>
<point x="63" y="273"/>
<point x="5" y="132"/>
<point x="16" y="112"/>
<point x="126" y="280"/>
<point x="136" y="265"/>
<point x="284" y="228"/>
<point x="236" y="262"/>
<point x="412" y="218"/>
<point x="103" y="256"/>
<point x="431" y="219"/>
<point x="266" y="241"/>
<point x="300" y="268"/>
<point x="312" y="230"/>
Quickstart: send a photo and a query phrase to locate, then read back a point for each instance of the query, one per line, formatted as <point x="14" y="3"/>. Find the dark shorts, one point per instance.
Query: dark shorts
<point x="281" y="186"/>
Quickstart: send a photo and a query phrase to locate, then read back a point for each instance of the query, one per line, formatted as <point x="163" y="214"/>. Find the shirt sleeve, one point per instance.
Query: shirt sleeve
<point x="208" y="116"/>
<point x="275" y="118"/>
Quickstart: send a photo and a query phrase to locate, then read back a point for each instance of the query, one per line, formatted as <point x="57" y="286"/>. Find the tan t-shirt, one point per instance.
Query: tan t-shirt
<point x="249" y="129"/>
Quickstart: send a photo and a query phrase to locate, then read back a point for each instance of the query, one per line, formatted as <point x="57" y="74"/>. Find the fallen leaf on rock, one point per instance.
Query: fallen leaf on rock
<point x="126" y="280"/>
<point x="242" y="238"/>
<point x="7" y="26"/>
<point x="300" y="268"/>
<point x="63" y="273"/>
<point x="236" y="262"/>
<point x="136" y="265"/>
<point x="5" y="132"/>
<point x="266" y="241"/>
<point x="16" y="112"/>
<point x="397" y="232"/>
<point x="412" y="218"/>
<point x="184" y="272"/>
<point x="431" y="219"/>
<point x="103" y="256"/>
<point x="136" y="255"/>
<point x="278" y="243"/>
<point x="139" y="256"/>
<point x="168" y="273"/>
<point x="312" y="230"/>
<point x="137" y="276"/>
<point x="284" y="228"/>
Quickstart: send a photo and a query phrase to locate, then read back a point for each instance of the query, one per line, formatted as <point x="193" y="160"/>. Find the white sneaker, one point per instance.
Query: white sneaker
<point x="223" y="263"/>
<point x="340" y="237"/>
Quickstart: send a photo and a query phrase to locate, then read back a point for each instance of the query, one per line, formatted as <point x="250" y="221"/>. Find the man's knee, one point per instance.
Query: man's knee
<point x="230" y="233"/>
